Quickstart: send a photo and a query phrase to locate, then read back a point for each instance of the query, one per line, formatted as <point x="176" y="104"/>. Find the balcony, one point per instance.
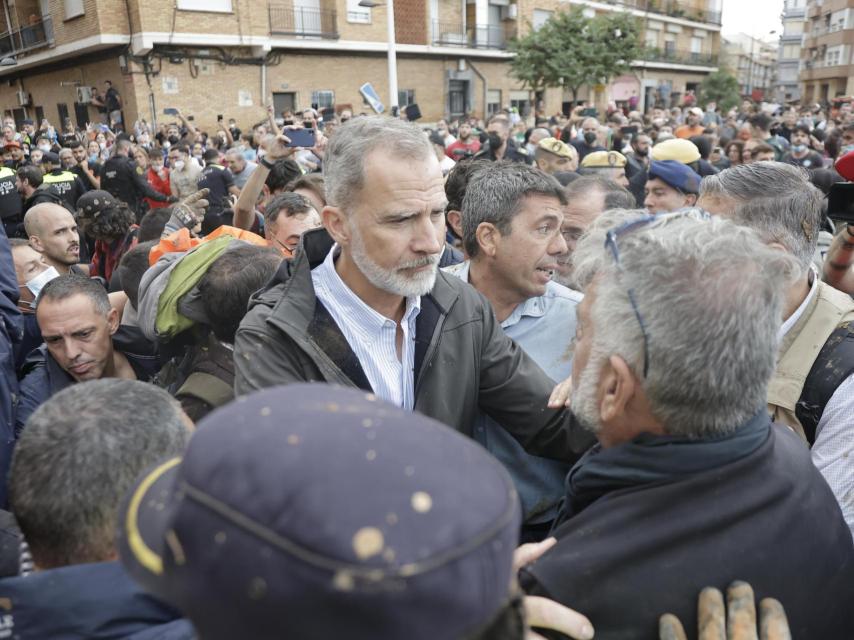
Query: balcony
<point x="33" y="36"/>
<point x="672" y="8"/>
<point x="303" y="22"/>
<point x="675" y="56"/>
<point x="481" y="36"/>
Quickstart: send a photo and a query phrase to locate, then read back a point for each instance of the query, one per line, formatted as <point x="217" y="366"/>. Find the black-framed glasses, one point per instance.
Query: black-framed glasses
<point x="611" y="238"/>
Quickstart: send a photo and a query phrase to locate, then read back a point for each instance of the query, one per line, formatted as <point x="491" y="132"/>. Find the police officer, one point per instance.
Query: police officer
<point x="10" y="201"/>
<point x="123" y="179"/>
<point x="220" y="182"/>
<point x="499" y="145"/>
<point x="61" y="181"/>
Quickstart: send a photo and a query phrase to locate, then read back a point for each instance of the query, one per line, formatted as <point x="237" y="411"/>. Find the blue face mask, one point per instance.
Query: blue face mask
<point x="93" y="158"/>
<point x="846" y="149"/>
<point x="799" y="148"/>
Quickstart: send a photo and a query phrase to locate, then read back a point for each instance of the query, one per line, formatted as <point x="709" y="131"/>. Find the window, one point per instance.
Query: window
<point x="322" y="99"/>
<point x="521" y="100"/>
<point x="405" y="97"/>
<point x="74" y="9"/>
<point x="493" y="101"/>
<point x="651" y="38"/>
<point x="794" y="28"/>
<point x="213" y="6"/>
<point x="357" y="14"/>
<point x="696" y="45"/>
<point x="791" y="51"/>
<point x="541" y="16"/>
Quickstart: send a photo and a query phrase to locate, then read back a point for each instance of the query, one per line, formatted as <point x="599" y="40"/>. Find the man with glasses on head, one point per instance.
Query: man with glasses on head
<point x="690" y="484"/>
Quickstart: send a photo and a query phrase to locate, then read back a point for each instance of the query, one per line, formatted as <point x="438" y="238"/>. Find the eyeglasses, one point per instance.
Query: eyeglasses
<point x="289" y="251"/>
<point x="613" y="236"/>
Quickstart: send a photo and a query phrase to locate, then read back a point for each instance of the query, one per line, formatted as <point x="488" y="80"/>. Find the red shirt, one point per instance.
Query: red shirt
<point x="459" y="149"/>
<point x="162" y="186"/>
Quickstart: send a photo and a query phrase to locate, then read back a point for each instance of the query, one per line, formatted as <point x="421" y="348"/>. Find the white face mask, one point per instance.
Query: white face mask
<point x="179" y="164"/>
<point x="37" y="284"/>
<point x="44" y="147"/>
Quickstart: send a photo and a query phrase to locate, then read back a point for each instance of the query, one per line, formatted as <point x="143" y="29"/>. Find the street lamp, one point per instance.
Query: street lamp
<point x="392" y="53"/>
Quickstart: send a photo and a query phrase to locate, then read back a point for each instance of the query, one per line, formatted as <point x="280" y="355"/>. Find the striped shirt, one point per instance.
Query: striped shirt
<point x="371" y="335"/>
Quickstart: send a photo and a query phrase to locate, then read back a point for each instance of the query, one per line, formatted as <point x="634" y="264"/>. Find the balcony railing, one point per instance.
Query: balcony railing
<point x="672" y="8"/>
<point x="676" y="56"/>
<point x="480" y="36"/>
<point x="306" y="22"/>
<point x="33" y="36"/>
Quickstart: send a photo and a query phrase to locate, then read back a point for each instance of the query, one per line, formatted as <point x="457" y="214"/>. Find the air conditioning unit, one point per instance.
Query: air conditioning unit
<point x="84" y="95"/>
<point x="510" y="12"/>
<point x="23" y="98"/>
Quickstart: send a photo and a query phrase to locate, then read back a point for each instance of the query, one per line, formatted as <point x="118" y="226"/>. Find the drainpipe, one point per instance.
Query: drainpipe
<point x="485" y="86"/>
<point x="264" y="82"/>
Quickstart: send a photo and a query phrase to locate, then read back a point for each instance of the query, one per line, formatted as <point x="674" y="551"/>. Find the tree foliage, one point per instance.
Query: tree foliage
<point x="571" y="50"/>
<point x="721" y="87"/>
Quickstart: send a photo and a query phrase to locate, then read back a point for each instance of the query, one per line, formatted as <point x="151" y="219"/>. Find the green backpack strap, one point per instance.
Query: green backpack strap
<point x="208" y="388"/>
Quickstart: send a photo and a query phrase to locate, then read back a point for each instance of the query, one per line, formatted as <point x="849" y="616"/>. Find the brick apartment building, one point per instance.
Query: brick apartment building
<point x="211" y="57"/>
<point x="827" y="58"/>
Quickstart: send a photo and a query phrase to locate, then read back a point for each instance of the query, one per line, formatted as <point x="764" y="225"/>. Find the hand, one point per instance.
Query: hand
<point x="548" y="614"/>
<point x="275" y="147"/>
<point x="561" y="394"/>
<point x="741" y="625"/>
<point x="542" y="612"/>
<point x="270" y="111"/>
<point x="191" y="209"/>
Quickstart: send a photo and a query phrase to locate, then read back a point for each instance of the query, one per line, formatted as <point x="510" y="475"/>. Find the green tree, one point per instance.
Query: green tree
<point x="571" y="50"/>
<point x="721" y="87"/>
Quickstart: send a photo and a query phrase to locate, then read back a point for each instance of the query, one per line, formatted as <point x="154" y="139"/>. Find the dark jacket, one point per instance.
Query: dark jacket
<point x="463" y="360"/>
<point x="768" y="518"/>
<point x="43" y="377"/>
<point x="121" y="177"/>
<point x="93" y="601"/>
<point x="11" y="334"/>
<point x="209" y="381"/>
<point x="512" y="154"/>
<point x="41" y="195"/>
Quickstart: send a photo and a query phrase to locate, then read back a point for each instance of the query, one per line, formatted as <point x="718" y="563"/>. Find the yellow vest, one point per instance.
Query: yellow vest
<point x="799" y="349"/>
<point x="53" y="178"/>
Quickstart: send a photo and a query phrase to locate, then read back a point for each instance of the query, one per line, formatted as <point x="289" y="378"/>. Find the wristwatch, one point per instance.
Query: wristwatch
<point x="263" y="160"/>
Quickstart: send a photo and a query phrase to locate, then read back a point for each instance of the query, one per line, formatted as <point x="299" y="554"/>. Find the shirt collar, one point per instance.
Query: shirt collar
<point x="793" y="319"/>
<point x="533" y="307"/>
<point x="370" y="320"/>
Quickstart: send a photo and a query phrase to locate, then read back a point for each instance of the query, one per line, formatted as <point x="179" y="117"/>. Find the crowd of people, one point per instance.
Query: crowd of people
<point x="511" y="378"/>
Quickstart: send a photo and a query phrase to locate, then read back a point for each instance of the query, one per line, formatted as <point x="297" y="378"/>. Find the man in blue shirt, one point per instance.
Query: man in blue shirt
<point x="511" y="222"/>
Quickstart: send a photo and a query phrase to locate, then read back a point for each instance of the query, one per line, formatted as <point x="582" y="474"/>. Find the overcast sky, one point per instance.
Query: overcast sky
<point x="754" y="17"/>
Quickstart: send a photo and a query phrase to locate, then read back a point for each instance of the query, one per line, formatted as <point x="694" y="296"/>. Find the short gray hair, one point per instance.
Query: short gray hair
<point x="711" y="297"/>
<point x="494" y="194"/>
<point x="78" y="455"/>
<point x="73" y="284"/>
<point x="344" y="160"/>
<point x="777" y="200"/>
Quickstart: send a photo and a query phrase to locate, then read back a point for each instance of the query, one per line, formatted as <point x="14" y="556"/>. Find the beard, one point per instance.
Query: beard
<point x="583" y="405"/>
<point x="394" y="281"/>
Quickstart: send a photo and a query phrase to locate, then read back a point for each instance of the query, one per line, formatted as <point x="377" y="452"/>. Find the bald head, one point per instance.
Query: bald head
<point x="52" y="231"/>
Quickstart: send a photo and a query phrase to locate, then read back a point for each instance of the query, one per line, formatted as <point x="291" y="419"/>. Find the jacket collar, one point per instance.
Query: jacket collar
<point x="298" y="312"/>
<point x="83" y="601"/>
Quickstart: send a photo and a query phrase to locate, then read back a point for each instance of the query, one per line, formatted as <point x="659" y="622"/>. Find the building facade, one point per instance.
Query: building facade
<point x="827" y="66"/>
<point x="789" y="51"/>
<point x="232" y="57"/>
<point x="753" y="61"/>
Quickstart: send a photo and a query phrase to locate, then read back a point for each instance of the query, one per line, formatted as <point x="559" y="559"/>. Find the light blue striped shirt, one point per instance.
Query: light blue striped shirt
<point x="371" y="335"/>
